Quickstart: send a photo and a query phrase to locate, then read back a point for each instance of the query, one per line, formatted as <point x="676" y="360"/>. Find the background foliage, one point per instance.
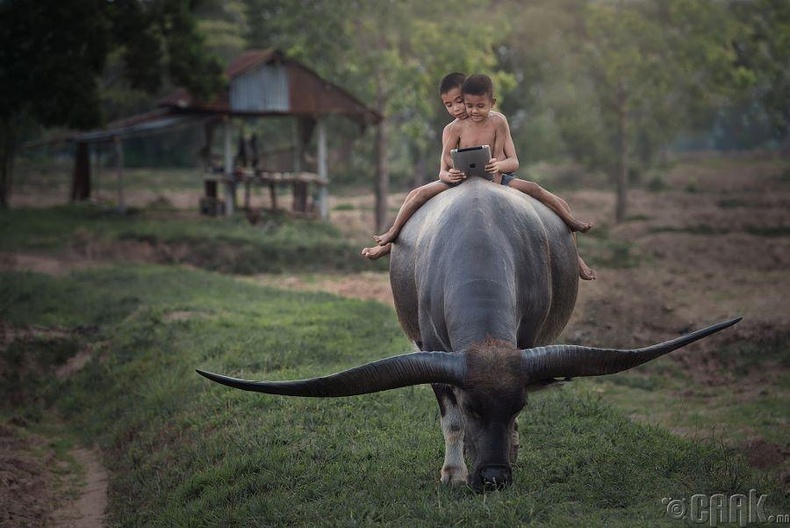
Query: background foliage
<point x="608" y="84"/>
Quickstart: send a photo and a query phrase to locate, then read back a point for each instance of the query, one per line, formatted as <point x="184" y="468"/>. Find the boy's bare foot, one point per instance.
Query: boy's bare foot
<point x="386" y="238"/>
<point x="376" y="252"/>
<point x="585" y="271"/>
<point x="578" y="225"/>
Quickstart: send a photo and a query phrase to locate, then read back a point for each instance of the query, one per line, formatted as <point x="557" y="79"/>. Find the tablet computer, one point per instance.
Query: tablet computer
<point x="472" y="160"/>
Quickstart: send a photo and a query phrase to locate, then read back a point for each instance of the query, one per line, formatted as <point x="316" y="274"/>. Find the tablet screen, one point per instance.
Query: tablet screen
<point x="472" y="160"/>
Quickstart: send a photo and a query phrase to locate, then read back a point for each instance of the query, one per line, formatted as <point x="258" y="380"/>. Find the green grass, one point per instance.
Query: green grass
<point x="769" y="231"/>
<point x="732" y="203"/>
<point x="723" y="412"/>
<point x="699" y="229"/>
<point x="186" y="452"/>
<point x="229" y="245"/>
<point x="750" y="395"/>
<point x="158" y="180"/>
<point x="705" y="230"/>
<point x="601" y="250"/>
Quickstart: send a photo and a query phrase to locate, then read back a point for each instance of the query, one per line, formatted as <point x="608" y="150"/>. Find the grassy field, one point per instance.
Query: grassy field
<point x="185" y="452"/>
<point x="229" y="245"/>
<point x="705" y="241"/>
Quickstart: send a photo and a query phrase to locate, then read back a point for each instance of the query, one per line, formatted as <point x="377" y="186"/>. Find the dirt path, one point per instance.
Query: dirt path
<point x="38" y="486"/>
<point x="367" y="285"/>
<point x="39" y="489"/>
<point x="88" y="510"/>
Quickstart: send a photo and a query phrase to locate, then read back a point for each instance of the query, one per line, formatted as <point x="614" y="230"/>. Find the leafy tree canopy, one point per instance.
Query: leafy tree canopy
<point x="764" y="49"/>
<point x="52" y="52"/>
<point x="608" y="83"/>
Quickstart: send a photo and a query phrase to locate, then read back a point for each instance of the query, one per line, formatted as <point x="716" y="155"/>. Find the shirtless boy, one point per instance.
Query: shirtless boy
<point x="453" y="101"/>
<point x="479" y="126"/>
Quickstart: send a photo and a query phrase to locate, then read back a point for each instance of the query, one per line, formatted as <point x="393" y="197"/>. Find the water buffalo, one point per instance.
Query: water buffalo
<point x="484" y="279"/>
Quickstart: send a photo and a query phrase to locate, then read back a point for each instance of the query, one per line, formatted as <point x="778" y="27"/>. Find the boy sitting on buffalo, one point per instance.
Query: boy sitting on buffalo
<point x="470" y="101"/>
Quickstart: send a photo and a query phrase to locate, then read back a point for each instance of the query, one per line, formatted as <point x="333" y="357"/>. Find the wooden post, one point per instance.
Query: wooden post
<point x="382" y="168"/>
<point x="230" y="185"/>
<point x="81" y="179"/>
<point x="323" y="172"/>
<point x="300" y="189"/>
<point x="247" y="184"/>
<point x="273" y="195"/>
<point x="622" y="176"/>
<point x="297" y="203"/>
<point x="97" y="169"/>
<point x="298" y="150"/>
<point x="119" y="159"/>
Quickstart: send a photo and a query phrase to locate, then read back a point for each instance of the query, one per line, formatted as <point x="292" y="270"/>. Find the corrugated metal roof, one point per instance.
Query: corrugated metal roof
<point x="263" y="88"/>
<point x="262" y="82"/>
<point x="266" y="82"/>
<point x="251" y="58"/>
<point x="141" y="125"/>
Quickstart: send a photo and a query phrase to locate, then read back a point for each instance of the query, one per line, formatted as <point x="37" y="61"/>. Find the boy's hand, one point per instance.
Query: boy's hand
<point x="453" y="176"/>
<point x="492" y="166"/>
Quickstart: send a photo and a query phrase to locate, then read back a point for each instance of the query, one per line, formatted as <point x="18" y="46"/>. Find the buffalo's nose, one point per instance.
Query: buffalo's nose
<point x="494" y="477"/>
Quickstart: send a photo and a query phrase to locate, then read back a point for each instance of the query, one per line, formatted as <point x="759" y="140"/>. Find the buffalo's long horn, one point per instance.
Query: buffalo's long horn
<point x="398" y="371"/>
<point x="569" y="361"/>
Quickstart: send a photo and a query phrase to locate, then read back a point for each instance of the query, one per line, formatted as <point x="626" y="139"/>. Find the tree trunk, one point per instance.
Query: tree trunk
<point x="7" y="153"/>
<point x="382" y="169"/>
<point x="419" y="169"/>
<point x="622" y="173"/>
<point x="81" y="178"/>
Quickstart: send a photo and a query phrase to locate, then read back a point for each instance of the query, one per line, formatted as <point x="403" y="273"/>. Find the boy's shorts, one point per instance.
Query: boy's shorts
<point x="506" y="179"/>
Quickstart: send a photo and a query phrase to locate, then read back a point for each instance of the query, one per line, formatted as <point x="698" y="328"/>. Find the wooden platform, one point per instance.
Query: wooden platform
<point x="299" y="181"/>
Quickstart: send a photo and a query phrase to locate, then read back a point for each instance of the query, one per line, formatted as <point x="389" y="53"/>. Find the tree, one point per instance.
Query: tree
<point x="659" y="67"/>
<point x="405" y="63"/>
<point x="549" y="98"/>
<point x="52" y="53"/>
<point x="396" y="64"/>
<point x="764" y="49"/>
<point x="224" y="24"/>
<point x="613" y="81"/>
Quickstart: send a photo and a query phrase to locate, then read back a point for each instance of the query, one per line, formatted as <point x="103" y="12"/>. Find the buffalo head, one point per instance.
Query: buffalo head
<point x="489" y="383"/>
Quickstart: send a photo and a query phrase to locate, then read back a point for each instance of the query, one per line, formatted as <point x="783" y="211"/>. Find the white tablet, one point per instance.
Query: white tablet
<point x="472" y="160"/>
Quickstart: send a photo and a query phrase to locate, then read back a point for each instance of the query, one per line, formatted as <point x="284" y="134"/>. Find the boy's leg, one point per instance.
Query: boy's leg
<point x="585" y="271"/>
<point x="553" y="202"/>
<point x="413" y="201"/>
<point x="373" y="253"/>
<point x="376" y="252"/>
<point x="563" y="210"/>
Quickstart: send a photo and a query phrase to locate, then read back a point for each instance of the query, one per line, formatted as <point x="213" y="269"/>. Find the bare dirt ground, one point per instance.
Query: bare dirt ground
<point x="713" y="244"/>
<point x="39" y="487"/>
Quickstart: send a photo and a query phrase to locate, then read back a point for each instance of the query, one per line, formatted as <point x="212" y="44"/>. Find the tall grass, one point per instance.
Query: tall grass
<point x="185" y="452"/>
<point x="230" y="245"/>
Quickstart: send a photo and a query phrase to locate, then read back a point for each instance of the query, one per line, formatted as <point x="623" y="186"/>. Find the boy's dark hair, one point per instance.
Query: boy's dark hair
<point x="478" y="84"/>
<point x="450" y="81"/>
